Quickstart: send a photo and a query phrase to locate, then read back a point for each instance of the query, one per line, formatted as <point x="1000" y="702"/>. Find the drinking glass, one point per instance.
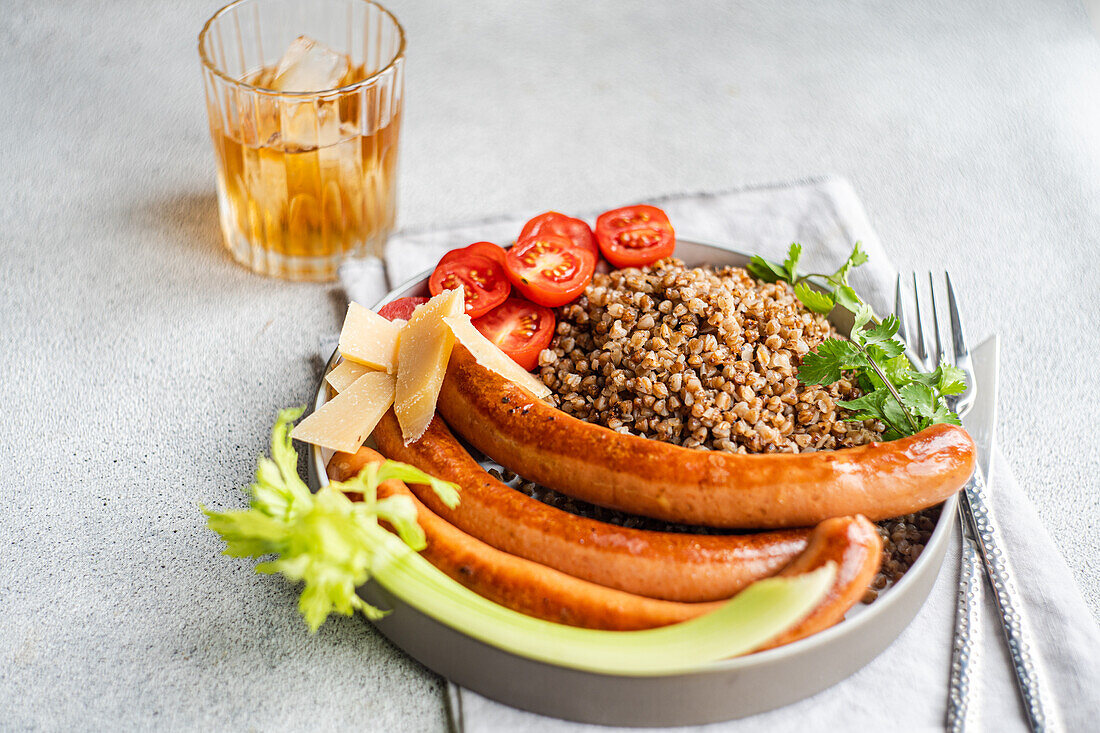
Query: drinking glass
<point x="305" y="178"/>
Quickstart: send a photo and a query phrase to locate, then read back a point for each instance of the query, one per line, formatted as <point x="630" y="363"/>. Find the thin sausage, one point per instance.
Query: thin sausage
<point x="857" y="549"/>
<point x="714" y="488"/>
<point x="528" y="587"/>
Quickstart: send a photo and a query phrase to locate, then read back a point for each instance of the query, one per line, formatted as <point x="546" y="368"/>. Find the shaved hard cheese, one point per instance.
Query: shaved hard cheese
<point x="489" y="355"/>
<point x="345" y="421"/>
<point x="422" y="355"/>
<point x="345" y="373"/>
<point x="369" y="339"/>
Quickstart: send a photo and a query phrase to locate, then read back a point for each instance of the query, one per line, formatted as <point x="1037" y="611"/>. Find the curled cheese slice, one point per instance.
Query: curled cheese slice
<point x="345" y="421"/>
<point x="422" y="355"/>
<point x="369" y="339"/>
<point x="490" y="356"/>
<point x="344" y="374"/>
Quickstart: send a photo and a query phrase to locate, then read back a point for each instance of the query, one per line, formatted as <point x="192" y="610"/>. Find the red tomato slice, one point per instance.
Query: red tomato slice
<point x="520" y="328"/>
<point x="575" y="230"/>
<point x="634" y="235"/>
<point x="484" y="281"/>
<point x="549" y="270"/>
<point x="401" y="308"/>
<point x="485" y="249"/>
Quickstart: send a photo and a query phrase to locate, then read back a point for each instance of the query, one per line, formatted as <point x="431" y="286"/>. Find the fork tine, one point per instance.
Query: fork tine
<point x="903" y="324"/>
<point x="958" y="341"/>
<point x="899" y="311"/>
<point x="962" y="403"/>
<point x="921" y="344"/>
<point x="936" y="321"/>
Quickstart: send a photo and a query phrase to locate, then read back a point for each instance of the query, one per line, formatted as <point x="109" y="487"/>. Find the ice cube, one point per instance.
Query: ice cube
<point x="309" y="66"/>
<point x="313" y="124"/>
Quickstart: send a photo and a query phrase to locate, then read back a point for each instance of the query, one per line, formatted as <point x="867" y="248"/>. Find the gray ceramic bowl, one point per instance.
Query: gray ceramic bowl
<point x="723" y="690"/>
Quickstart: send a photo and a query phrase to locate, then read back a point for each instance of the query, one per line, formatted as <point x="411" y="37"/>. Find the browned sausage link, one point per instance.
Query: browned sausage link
<point x="667" y="565"/>
<point x="854" y="545"/>
<point x="529" y="587"/>
<point x="537" y="590"/>
<point x="715" y="488"/>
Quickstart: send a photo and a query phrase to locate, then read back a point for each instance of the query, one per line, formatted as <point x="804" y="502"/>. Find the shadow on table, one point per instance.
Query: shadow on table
<point x="187" y="222"/>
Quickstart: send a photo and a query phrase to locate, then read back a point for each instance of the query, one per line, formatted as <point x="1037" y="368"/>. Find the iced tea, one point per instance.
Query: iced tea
<point x="306" y="178"/>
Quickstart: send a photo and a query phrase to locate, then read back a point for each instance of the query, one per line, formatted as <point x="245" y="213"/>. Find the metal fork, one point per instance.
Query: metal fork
<point x="979" y="535"/>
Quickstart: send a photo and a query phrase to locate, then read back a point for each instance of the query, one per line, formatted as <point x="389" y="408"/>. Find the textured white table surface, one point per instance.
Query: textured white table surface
<point x="142" y="368"/>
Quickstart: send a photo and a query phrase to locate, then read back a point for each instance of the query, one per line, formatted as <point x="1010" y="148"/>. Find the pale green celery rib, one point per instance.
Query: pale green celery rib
<point x="749" y="620"/>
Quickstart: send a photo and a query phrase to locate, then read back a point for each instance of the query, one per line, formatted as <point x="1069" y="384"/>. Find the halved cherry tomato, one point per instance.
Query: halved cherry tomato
<point x="549" y="270"/>
<point x="485" y="282"/>
<point x="485" y="249"/>
<point x="401" y="308"/>
<point x="575" y="230"/>
<point x="634" y="235"/>
<point x="520" y="328"/>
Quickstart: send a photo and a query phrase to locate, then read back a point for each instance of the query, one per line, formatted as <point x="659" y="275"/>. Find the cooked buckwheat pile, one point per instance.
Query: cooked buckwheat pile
<point x="699" y="357"/>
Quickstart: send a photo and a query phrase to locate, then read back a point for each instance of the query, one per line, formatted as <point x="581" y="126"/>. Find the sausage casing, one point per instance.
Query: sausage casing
<point x="689" y="486"/>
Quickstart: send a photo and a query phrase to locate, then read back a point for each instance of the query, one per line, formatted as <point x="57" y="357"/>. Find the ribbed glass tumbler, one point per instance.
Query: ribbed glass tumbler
<point x="306" y="178"/>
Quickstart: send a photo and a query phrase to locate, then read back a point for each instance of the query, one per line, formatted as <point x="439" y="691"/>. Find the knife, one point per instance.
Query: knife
<point x="981" y="422"/>
<point x="1000" y="582"/>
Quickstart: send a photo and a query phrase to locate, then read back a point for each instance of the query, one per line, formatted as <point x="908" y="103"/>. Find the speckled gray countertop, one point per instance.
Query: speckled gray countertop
<point x="142" y="368"/>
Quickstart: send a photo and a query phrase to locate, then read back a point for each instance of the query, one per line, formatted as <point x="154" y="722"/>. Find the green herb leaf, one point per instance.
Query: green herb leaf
<point x="855" y="259"/>
<point x="918" y="399"/>
<point x="794" y="254"/>
<point x="864" y="314"/>
<point x="825" y="364"/>
<point x="894" y="415"/>
<point x="898" y="370"/>
<point x="769" y="272"/>
<point x="952" y="380"/>
<point x="904" y="399"/>
<point x="846" y="297"/>
<point x="883" y="331"/>
<point x="866" y="407"/>
<point x="886" y="350"/>
<point x="815" y="300"/>
<point x="944" y="415"/>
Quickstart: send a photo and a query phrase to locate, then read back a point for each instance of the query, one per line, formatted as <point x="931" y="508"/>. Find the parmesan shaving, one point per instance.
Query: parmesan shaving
<point x="423" y="352"/>
<point x="369" y="339"/>
<point x="490" y="356"/>
<point x="345" y="421"/>
<point x="344" y="374"/>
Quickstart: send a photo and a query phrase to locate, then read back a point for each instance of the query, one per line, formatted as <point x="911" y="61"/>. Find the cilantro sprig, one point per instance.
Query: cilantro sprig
<point x="894" y="392"/>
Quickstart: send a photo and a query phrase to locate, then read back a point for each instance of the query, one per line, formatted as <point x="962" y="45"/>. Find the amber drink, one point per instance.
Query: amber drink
<point x="305" y="141"/>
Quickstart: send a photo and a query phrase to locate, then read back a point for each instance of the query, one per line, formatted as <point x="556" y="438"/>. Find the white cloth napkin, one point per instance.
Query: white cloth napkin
<point x="906" y="686"/>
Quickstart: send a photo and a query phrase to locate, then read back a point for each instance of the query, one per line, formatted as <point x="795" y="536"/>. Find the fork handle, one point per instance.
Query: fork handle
<point x="967" y="607"/>
<point x="975" y="505"/>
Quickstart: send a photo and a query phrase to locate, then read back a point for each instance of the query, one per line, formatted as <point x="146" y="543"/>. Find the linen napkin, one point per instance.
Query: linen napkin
<point x="906" y="686"/>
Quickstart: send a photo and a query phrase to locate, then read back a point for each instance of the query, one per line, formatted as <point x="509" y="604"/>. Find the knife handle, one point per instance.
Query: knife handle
<point x="975" y="506"/>
<point x="967" y="607"/>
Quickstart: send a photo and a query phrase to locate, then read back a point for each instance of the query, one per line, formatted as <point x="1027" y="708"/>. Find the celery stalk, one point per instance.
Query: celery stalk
<point x="753" y="617"/>
<point x="335" y="545"/>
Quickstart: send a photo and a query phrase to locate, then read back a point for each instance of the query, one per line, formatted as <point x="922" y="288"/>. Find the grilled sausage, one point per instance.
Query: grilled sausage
<point x="669" y="565"/>
<point x="528" y="587"/>
<point x="676" y="484"/>
<point x="857" y="549"/>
